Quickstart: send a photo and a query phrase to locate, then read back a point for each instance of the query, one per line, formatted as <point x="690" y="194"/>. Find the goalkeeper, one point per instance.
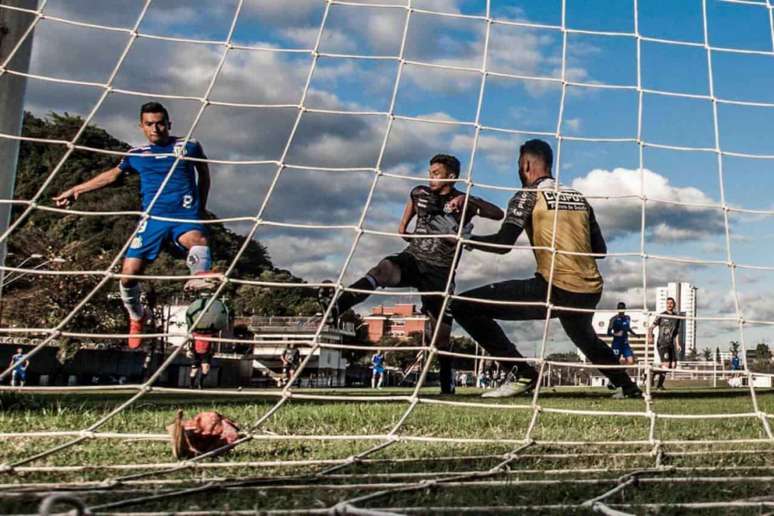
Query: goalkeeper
<point x="426" y="263"/>
<point x="576" y="281"/>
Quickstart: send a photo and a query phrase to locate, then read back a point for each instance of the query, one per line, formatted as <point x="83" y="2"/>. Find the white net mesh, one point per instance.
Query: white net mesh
<point x="478" y="68"/>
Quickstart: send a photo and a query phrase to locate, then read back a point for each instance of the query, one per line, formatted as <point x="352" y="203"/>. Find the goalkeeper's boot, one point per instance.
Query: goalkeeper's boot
<point x="325" y="295"/>
<point x="203" y="282"/>
<point x="520" y="382"/>
<point x="136" y="327"/>
<point x="631" y="392"/>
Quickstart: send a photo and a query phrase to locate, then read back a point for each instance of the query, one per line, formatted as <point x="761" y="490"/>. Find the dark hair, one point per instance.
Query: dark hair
<point x="621" y="305"/>
<point x="673" y="300"/>
<point x="451" y="163"/>
<point x="154" y="107"/>
<point x="540" y="149"/>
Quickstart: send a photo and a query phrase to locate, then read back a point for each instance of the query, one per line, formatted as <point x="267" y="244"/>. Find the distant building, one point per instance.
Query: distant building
<point x="326" y="368"/>
<point x="684" y="295"/>
<point x="397" y="321"/>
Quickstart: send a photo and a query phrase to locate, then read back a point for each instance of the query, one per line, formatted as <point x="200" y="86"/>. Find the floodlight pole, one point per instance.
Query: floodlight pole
<point x="13" y="25"/>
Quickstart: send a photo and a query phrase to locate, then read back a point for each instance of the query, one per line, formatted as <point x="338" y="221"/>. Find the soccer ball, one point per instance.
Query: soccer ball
<point x="215" y="319"/>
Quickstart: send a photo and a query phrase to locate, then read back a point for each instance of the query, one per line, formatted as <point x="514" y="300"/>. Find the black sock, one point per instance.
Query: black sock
<point x="202" y="377"/>
<point x="349" y="299"/>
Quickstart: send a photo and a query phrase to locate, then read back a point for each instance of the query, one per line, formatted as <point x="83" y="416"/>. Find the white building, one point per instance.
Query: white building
<point x="684" y="295"/>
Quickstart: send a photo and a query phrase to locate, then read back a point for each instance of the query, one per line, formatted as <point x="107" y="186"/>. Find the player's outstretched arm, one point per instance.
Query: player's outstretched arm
<point x="95" y="183"/>
<point x="610" y="327"/>
<point x="476" y="206"/>
<point x="519" y="213"/>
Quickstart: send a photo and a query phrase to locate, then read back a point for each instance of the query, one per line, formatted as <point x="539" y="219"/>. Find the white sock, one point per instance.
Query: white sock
<point x="199" y="259"/>
<point x="131" y="299"/>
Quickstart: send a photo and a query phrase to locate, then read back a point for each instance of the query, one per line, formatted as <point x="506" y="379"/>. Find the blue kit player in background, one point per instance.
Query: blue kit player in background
<point x="20" y="364"/>
<point x="736" y="364"/>
<point x="620" y="328"/>
<point x="377" y="364"/>
<point x="183" y="197"/>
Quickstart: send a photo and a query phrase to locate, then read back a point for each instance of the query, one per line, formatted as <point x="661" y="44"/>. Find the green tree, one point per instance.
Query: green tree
<point x="707" y="354"/>
<point x="762" y="352"/>
<point x="400" y="358"/>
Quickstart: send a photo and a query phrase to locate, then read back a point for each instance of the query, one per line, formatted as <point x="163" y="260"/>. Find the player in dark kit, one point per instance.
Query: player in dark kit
<point x="562" y="220"/>
<point x="426" y="263"/>
<point x="668" y="344"/>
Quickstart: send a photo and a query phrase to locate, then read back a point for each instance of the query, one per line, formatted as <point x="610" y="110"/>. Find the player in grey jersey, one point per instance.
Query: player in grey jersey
<point x="668" y="343"/>
<point x="426" y="263"/>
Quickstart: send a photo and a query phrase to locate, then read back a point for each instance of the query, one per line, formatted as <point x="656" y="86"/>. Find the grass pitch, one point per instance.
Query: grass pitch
<point x="575" y="457"/>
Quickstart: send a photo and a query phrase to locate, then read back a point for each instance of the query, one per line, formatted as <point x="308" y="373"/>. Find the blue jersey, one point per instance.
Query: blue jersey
<point x="180" y="197"/>
<point x="378" y="361"/>
<point x="619" y="328"/>
<point x="18" y="361"/>
<point x="736" y="364"/>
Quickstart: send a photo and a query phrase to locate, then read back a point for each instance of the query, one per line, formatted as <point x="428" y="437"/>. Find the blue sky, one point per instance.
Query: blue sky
<point x="530" y="102"/>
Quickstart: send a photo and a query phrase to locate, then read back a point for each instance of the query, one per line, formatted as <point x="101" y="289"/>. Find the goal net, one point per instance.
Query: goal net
<point x="318" y="118"/>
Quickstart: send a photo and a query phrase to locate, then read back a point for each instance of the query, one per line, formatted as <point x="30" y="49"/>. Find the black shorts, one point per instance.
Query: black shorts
<point x="201" y="358"/>
<point x="425" y="278"/>
<point x="667" y="353"/>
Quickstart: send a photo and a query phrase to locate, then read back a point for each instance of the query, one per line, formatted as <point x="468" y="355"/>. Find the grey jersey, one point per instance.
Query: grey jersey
<point x="668" y="329"/>
<point x="438" y="252"/>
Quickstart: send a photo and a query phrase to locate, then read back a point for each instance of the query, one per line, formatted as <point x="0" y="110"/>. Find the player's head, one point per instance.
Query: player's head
<point x="155" y="122"/>
<point x="19" y="350"/>
<point x="443" y="166"/>
<point x="535" y="161"/>
<point x="621" y="307"/>
<point x="670" y="303"/>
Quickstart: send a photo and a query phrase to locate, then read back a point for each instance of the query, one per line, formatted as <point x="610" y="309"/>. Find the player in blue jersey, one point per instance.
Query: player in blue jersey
<point x="20" y="364"/>
<point x="183" y="198"/>
<point x="377" y="364"/>
<point x="620" y="328"/>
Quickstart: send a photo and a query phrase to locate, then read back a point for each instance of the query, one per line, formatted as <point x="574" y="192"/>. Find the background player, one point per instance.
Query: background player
<point x="183" y="197"/>
<point x="427" y="262"/>
<point x="668" y="339"/>
<point x="620" y="328"/>
<point x="20" y="365"/>
<point x="576" y="280"/>
<point x="377" y="366"/>
<point x="291" y="358"/>
<point x="201" y="356"/>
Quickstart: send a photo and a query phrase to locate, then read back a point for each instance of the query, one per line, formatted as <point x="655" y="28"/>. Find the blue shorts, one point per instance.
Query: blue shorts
<point x="622" y="349"/>
<point x="148" y="241"/>
<point x="378" y="370"/>
<point x="21" y="374"/>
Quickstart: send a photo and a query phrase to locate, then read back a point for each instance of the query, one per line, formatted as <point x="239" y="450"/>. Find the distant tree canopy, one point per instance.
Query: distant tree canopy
<point x="91" y="243"/>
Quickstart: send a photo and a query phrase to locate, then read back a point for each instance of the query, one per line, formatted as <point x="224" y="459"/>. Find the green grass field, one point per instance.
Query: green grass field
<point x="565" y="466"/>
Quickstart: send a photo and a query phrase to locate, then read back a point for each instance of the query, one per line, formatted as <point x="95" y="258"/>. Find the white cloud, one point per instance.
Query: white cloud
<point x="665" y="221"/>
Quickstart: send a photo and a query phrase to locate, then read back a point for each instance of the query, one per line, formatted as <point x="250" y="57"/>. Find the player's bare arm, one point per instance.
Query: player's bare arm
<point x="95" y="183"/>
<point x="476" y="207"/>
